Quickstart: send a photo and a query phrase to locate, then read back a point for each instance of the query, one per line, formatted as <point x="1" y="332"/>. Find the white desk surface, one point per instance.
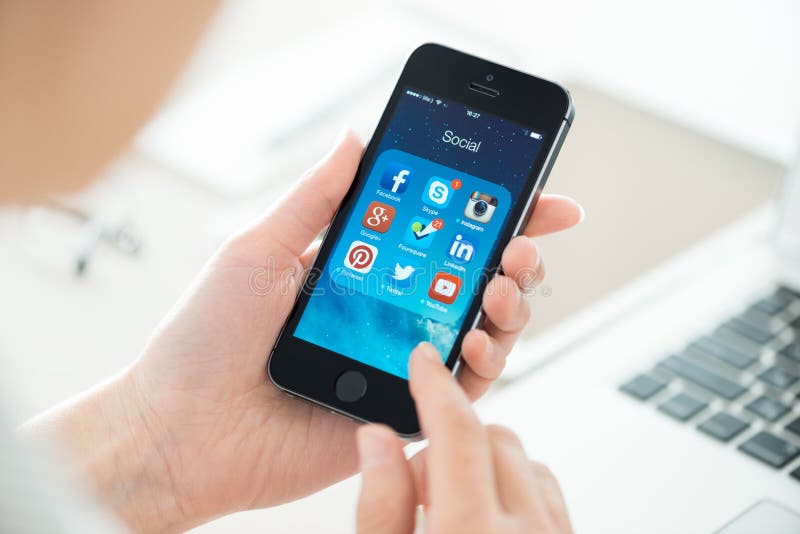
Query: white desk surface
<point x="727" y="68"/>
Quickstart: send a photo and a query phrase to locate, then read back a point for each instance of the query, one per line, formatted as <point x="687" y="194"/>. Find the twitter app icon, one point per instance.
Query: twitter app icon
<point x="402" y="273"/>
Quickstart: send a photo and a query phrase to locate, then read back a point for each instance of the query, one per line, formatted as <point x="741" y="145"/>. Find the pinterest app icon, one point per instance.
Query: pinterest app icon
<point x="360" y="256"/>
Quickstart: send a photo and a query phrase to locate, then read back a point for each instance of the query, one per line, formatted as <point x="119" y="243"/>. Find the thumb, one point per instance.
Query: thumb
<point x="387" y="503"/>
<point x="300" y="215"/>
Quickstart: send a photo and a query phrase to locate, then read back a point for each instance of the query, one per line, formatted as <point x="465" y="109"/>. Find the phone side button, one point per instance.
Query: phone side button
<point x="350" y="386"/>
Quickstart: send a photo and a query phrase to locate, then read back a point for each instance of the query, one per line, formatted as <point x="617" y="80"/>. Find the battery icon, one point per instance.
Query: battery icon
<point x="535" y="135"/>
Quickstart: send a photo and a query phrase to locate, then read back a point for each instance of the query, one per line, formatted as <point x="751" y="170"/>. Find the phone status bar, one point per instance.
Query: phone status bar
<point x="471" y="113"/>
<point x="426" y="98"/>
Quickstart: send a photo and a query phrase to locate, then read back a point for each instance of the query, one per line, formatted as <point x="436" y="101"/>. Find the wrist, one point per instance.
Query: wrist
<point x="115" y="450"/>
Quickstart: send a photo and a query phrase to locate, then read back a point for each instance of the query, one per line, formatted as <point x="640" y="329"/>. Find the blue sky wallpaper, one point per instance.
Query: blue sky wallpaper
<point x="407" y="264"/>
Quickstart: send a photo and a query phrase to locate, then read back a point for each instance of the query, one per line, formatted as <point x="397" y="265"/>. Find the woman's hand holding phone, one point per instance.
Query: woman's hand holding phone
<point x="205" y="432"/>
<point x="471" y="478"/>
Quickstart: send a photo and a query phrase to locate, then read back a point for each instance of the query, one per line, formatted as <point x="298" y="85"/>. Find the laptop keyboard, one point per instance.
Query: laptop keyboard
<point x="739" y="384"/>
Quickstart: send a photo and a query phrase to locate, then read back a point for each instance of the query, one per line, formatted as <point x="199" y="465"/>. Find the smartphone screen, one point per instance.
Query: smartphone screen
<point x="417" y="241"/>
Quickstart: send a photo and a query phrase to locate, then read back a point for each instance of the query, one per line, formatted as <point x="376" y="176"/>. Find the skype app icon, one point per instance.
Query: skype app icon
<point x="436" y="193"/>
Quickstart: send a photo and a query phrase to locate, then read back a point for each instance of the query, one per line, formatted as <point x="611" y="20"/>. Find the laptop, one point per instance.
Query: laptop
<point x="681" y="413"/>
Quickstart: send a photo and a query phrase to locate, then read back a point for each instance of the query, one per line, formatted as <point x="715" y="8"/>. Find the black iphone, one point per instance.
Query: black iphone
<point x="451" y="174"/>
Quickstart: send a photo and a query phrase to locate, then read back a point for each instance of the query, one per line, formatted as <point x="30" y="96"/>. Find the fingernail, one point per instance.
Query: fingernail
<point x="583" y="213"/>
<point x="538" y="255"/>
<point x="429" y="352"/>
<point x="371" y="448"/>
<point x="341" y="135"/>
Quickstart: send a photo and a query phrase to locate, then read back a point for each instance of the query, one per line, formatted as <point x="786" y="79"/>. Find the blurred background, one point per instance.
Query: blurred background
<point x="680" y="103"/>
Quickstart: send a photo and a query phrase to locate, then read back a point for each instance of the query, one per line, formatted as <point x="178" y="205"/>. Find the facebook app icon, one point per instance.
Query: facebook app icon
<point x="395" y="178"/>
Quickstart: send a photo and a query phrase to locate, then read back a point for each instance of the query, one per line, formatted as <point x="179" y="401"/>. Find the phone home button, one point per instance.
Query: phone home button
<point x="350" y="386"/>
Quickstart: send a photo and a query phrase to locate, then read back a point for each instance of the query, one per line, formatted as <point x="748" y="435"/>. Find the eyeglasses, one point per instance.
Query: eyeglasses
<point x="65" y="237"/>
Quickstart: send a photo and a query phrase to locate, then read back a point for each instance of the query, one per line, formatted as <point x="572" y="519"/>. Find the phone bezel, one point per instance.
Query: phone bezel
<point x="309" y="371"/>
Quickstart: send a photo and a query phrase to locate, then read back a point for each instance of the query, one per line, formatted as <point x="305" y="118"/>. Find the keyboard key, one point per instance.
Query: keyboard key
<point x="770" y="449"/>
<point x="792" y="293"/>
<point x="744" y="328"/>
<point x="761" y="320"/>
<point x="794" y="426"/>
<point x="795" y="474"/>
<point x="723" y="426"/>
<point x="768" y="408"/>
<point x="682" y="406"/>
<point x="722" y="351"/>
<point x="778" y="377"/>
<point x="774" y="303"/>
<point x="768" y="305"/>
<point x="643" y="386"/>
<point x="702" y="377"/>
<point x="792" y="351"/>
<point x="733" y="339"/>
